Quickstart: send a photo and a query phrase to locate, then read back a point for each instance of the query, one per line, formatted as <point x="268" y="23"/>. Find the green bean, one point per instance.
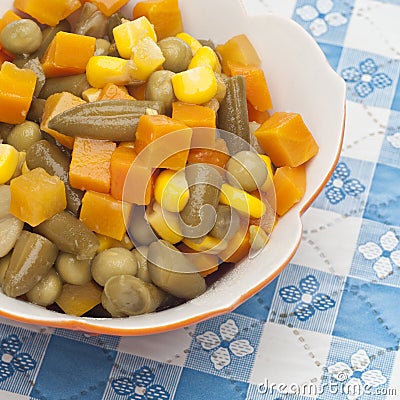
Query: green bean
<point x="114" y="120"/>
<point x="226" y="224"/>
<point x="36" y="110"/>
<point x="113" y="21"/>
<point x="198" y="216"/>
<point x="4" y="263"/>
<point x="70" y="235"/>
<point x="233" y="115"/>
<point x="34" y="65"/>
<point x="128" y="295"/>
<point x="75" y="84"/>
<point x="22" y="136"/>
<point x="31" y="260"/>
<point x="171" y="271"/>
<point x="92" y="22"/>
<point x="48" y="156"/>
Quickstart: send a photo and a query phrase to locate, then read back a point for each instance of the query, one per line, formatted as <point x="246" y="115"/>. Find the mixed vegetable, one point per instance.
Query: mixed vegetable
<point x="136" y="161"/>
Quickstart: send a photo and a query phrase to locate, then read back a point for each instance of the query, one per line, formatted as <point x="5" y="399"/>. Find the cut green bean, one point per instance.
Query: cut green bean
<point x="233" y="115"/>
<point x="114" y="120"/>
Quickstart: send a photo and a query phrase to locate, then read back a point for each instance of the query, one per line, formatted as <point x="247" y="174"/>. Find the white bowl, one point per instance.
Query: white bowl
<point x="300" y="80"/>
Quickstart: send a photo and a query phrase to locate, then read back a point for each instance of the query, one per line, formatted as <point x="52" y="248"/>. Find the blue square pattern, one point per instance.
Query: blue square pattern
<point x="384" y="197"/>
<point x="105" y="341"/>
<point x="73" y="370"/>
<point x="347" y="190"/>
<point x="327" y="21"/>
<point x="262" y="392"/>
<point x="396" y="99"/>
<point x="306" y="298"/>
<point x="371" y="78"/>
<point x="134" y="377"/>
<point x="367" y="307"/>
<point x="354" y="368"/>
<point x="390" y="151"/>
<point x="197" y="385"/>
<point x="259" y="305"/>
<point x="377" y="254"/>
<point x="225" y="346"/>
<point x="21" y="353"/>
<point x="332" y="53"/>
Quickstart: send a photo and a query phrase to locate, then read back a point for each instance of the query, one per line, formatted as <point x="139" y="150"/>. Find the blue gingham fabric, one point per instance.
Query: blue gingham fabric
<point x="329" y="326"/>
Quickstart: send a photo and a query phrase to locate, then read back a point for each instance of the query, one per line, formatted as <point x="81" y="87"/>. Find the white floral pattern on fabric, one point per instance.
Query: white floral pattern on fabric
<point x="221" y="357"/>
<point x="321" y="16"/>
<point x="357" y="376"/>
<point x="394" y="140"/>
<point x="140" y="386"/>
<point x="384" y="254"/>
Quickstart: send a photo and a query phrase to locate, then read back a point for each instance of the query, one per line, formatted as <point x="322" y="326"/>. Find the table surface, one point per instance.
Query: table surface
<point x="328" y="327"/>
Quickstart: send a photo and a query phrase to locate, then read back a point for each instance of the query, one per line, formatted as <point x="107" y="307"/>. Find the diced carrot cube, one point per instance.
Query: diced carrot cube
<point x="90" y="165"/>
<point x="286" y="139"/>
<point x="105" y="215"/>
<point x="164" y="141"/>
<point x="56" y="104"/>
<point x="16" y="93"/>
<point x="49" y="12"/>
<point x="165" y="15"/>
<point x="290" y="186"/>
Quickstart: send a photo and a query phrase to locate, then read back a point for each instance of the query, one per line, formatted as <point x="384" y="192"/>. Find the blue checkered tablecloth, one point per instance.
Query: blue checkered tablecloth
<point x="329" y="326"/>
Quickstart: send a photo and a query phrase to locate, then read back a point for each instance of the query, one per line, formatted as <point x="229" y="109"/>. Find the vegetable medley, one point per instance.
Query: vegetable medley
<point x="137" y="162"/>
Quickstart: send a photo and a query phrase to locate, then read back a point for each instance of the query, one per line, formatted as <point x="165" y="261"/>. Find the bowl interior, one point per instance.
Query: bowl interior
<point x="300" y="80"/>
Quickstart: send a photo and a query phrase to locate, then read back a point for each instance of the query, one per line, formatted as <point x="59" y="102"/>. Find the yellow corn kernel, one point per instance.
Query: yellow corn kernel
<point x="196" y="85"/>
<point x="205" y="56"/>
<point x="268" y="163"/>
<point x="171" y="190"/>
<point x="128" y="35"/>
<point x="209" y="244"/>
<point x="165" y="224"/>
<point x="107" y="242"/>
<point x="193" y="43"/>
<point x="147" y="57"/>
<point x="101" y="70"/>
<point x="258" y="238"/>
<point x="24" y="169"/>
<point x="242" y="201"/>
<point x="9" y="158"/>
<point x="92" y="94"/>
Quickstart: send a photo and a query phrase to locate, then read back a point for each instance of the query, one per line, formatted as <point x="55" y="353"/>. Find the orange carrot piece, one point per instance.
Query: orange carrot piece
<point x="62" y="58"/>
<point x="165" y="15"/>
<point x="56" y="104"/>
<point x="138" y="92"/>
<point x="105" y="215"/>
<point x="114" y="92"/>
<point x="238" y="49"/>
<point x="121" y="161"/>
<point x="238" y="247"/>
<point x="49" y="12"/>
<point x="171" y="150"/>
<point x="219" y="156"/>
<point x="286" y="139"/>
<point x="90" y="165"/>
<point x="290" y="186"/>
<point x="257" y="116"/>
<point x="109" y="7"/>
<point x="193" y="115"/>
<point x="257" y="91"/>
<point x="16" y="93"/>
